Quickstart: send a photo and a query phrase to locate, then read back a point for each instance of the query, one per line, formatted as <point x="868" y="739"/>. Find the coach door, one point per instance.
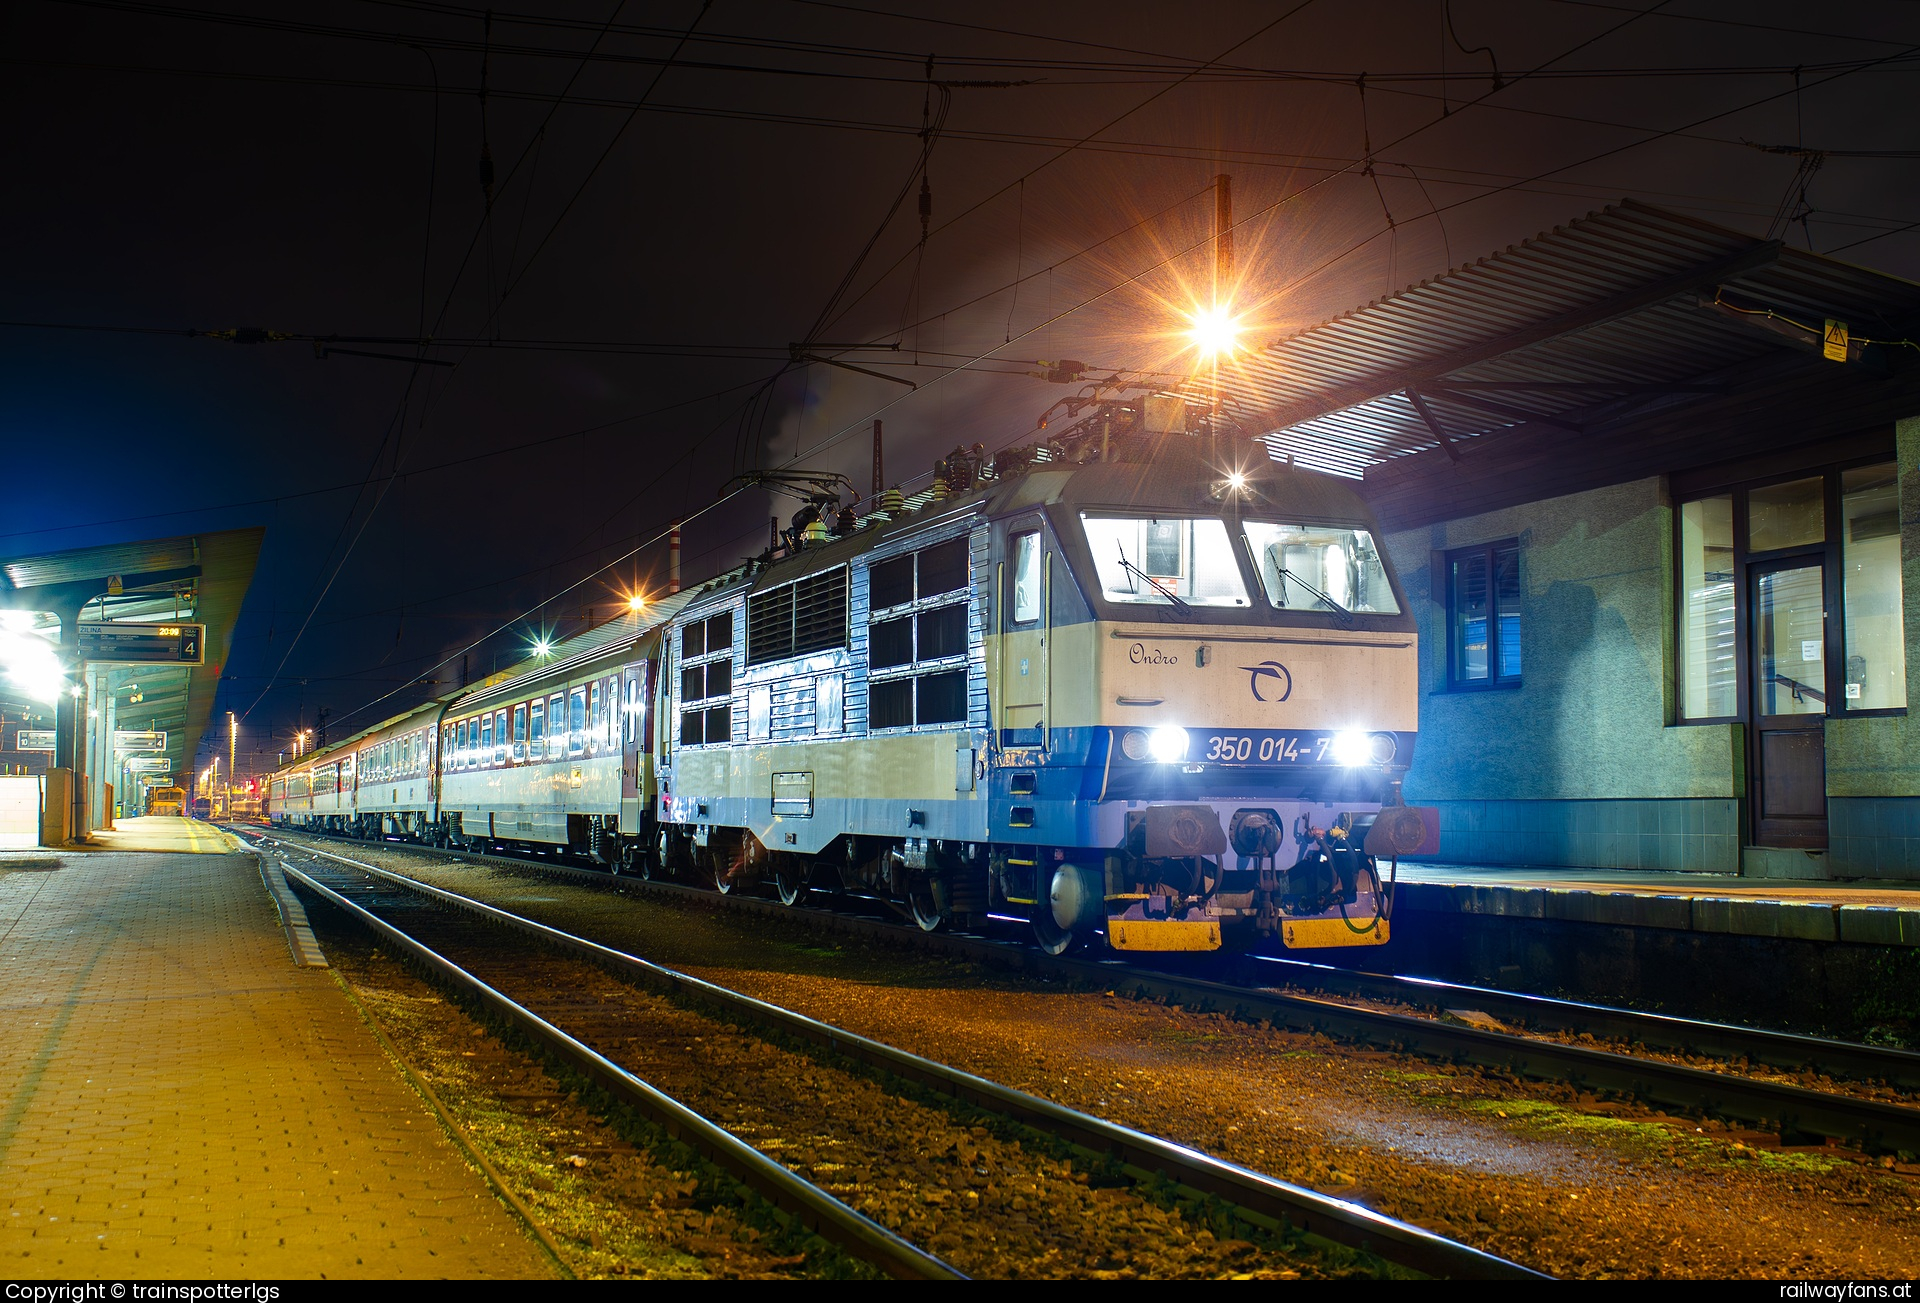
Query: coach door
<point x="1024" y="626"/>
<point x="1789" y="659"/>
<point x="632" y="711"/>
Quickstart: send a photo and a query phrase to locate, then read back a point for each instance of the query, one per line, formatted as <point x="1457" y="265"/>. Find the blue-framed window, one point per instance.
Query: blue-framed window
<point x="1483" y="616"/>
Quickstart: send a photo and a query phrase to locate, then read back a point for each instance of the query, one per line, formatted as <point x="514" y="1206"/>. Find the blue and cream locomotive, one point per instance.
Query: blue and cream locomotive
<point x="1132" y="690"/>
<point x="1145" y="687"/>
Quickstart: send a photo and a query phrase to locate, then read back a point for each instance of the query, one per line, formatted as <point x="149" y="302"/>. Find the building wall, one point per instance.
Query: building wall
<point x="1575" y="766"/>
<point x="1579" y="765"/>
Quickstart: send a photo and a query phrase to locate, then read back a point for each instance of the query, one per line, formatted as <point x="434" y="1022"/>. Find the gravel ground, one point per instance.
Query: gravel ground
<point x="984" y="1197"/>
<point x="1535" y="1172"/>
<point x="1806" y="1078"/>
<point x="612" y="1209"/>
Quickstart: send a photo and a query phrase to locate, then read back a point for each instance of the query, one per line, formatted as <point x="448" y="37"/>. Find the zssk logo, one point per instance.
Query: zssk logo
<point x="1278" y="676"/>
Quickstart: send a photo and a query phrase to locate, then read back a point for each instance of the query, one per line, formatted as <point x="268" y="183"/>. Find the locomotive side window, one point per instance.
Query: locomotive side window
<point x="917" y="640"/>
<point x="1320" y="568"/>
<point x="890" y="583"/>
<point x="706" y="688"/>
<point x="1165" y="561"/>
<point x="1026" y="578"/>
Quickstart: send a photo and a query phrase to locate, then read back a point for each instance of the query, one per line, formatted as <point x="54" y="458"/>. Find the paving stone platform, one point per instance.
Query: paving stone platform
<point x="179" y="1101"/>
<point x="163" y="832"/>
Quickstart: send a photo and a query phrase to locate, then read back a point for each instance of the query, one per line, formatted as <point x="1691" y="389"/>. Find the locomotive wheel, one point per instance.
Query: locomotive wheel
<point x="789" y="881"/>
<point x="722" y="871"/>
<point x="926" y="909"/>
<point x="1070" y="911"/>
<point x="1049" y="935"/>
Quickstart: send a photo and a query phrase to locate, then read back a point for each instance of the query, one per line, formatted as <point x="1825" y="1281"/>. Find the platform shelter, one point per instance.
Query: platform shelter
<point x="129" y="641"/>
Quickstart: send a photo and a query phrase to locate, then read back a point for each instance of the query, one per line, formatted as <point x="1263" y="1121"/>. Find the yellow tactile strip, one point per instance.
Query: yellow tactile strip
<point x="177" y="1099"/>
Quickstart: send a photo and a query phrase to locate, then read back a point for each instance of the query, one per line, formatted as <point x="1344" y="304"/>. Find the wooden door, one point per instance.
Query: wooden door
<point x="1789" y="683"/>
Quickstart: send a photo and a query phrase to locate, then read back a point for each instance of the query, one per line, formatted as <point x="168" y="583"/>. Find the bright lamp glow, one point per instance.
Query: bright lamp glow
<point x="1213" y="330"/>
<point x="541" y="647"/>
<point x="31" y="663"/>
<point x="636" y="603"/>
<point x="1167" y="744"/>
<point x="1350" y="748"/>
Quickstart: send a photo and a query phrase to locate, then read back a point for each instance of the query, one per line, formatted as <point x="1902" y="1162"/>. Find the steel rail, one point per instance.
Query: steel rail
<point x="1263" y="1199"/>
<point x="1896" y="1067"/>
<point x="811" y="1206"/>
<point x="1875" y="1125"/>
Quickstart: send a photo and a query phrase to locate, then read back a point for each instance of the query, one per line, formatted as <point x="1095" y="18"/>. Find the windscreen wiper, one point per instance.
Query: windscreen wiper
<point x="1341" y="613"/>
<point x="1129" y="567"/>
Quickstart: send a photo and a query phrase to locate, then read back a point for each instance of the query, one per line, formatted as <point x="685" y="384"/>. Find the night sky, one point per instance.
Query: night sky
<point x="683" y="193"/>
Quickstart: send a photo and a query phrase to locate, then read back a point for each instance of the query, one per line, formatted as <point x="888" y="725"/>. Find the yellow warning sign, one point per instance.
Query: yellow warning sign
<point x="1834" y="349"/>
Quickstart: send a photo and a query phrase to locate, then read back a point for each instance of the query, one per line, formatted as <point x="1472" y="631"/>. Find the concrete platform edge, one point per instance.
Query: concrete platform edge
<point x="1845" y="924"/>
<point x="293" y="915"/>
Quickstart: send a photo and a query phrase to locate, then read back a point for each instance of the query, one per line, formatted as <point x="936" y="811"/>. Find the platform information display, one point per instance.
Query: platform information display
<point x="33" y="739"/>
<point x="127" y="740"/>
<point x="150" y="765"/>
<point x="141" y="644"/>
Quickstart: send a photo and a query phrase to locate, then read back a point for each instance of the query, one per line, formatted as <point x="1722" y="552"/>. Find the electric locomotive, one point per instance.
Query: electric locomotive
<point x="1149" y="687"/>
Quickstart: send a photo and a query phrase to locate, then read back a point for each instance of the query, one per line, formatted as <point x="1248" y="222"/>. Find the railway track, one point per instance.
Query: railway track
<point x="447" y="948"/>
<point x="1877" y="1126"/>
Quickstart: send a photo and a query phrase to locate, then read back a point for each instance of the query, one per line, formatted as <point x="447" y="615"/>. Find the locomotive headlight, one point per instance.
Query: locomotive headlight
<point x="1350" y="749"/>
<point x="1167" y="744"/>
<point x="1133" y="744"/>
<point x="1354" y="748"/>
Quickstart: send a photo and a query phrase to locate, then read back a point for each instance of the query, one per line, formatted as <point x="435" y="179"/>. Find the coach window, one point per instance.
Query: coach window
<point x="596" y="716"/>
<point x="537" y="730"/>
<point x="1483" y="616"/>
<point x="519" y="734"/>
<point x="556" y="726"/>
<point x="577" y="721"/>
<point x="486" y="739"/>
<point x="500" y="737"/>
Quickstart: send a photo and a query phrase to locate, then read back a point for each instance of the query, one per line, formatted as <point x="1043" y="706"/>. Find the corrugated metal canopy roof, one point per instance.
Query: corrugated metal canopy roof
<point x="1626" y="314"/>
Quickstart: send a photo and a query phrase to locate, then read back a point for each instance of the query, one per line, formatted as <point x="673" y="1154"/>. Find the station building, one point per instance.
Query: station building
<point x="1653" y="488"/>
